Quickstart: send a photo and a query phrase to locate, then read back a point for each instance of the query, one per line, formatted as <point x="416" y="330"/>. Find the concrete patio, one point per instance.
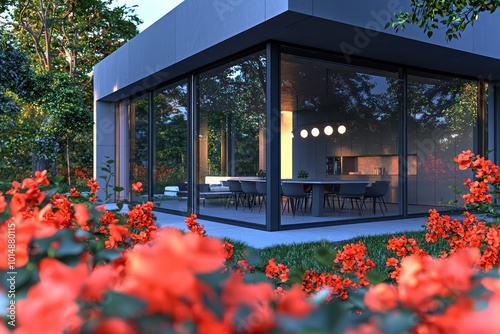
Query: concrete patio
<point x="260" y="239"/>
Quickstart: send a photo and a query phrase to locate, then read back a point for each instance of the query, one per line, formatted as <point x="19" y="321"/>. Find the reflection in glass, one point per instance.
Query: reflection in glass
<point x="231" y="134"/>
<point x="363" y="106"/>
<point x="139" y="135"/>
<point x="170" y="169"/>
<point x="442" y="117"/>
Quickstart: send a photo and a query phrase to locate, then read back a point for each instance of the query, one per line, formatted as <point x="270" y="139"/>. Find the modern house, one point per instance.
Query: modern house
<point x="219" y="90"/>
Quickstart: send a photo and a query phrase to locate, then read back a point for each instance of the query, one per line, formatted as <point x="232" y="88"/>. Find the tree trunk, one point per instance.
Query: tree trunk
<point x="38" y="163"/>
<point x="67" y="160"/>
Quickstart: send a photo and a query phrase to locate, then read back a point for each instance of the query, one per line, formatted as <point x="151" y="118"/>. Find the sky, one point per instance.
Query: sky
<point x="150" y="11"/>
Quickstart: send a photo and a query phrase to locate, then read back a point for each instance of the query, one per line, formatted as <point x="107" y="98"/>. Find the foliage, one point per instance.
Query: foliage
<point x="302" y="174"/>
<point x="111" y="272"/>
<point x="64" y="40"/>
<point x="170" y="105"/>
<point x="454" y="15"/>
<point x="15" y="74"/>
<point x="261" y="174"/>
<point x="232" y="116"/>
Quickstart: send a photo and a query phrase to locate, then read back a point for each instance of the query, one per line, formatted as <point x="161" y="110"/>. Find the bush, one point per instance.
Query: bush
<point x="69" y="265"/>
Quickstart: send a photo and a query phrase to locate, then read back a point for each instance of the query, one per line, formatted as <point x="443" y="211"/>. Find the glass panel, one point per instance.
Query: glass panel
<point x="232" y="137"/>
<point x="339" y="132"/>
<point x="442" y="117"/>
<point x="169" y="173"/>
<point x="139" y="134"/>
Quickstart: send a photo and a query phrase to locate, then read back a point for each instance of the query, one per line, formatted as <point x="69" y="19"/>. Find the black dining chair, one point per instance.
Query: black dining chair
<point x="330" y="192"/>
<point x="250" y="192"/>
<point x="354" y="193"/>
<point x="377" y="192"/>
<point x="296" y="197"/>
<point x="237" y="195"/>
<point x="262" y="191"/>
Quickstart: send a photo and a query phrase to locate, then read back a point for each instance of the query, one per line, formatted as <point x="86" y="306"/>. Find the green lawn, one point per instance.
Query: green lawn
<point x="319" y="255"/>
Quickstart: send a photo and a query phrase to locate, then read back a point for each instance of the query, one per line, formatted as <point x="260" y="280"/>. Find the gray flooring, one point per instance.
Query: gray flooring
<point x="217" y="208"/>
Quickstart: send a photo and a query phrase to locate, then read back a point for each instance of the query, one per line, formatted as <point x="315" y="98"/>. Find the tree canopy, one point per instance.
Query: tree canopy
<point x="49" y="49"/>
<point x="454" y="15"/>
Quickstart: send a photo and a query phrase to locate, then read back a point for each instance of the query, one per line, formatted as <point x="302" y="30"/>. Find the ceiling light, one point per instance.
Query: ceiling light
<point x="328" y="130"/>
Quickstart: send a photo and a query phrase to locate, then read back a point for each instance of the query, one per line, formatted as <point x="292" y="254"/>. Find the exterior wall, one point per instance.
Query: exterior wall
<point x="104" y="139"/>
<point x="123" y="150"/>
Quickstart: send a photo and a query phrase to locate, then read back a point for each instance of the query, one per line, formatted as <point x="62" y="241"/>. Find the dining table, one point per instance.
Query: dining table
<point x="318" y="191"/>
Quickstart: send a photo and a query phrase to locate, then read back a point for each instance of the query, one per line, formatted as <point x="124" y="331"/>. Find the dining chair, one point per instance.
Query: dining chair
<point x="377" y="192"/>
<point x="236" y="193"/>
<point x="330" y="193"/>
<point x="296" y="197"/>
<point x="262" y="191"/>
<point x="250" y="192"/>
<point x="354" y="193"/>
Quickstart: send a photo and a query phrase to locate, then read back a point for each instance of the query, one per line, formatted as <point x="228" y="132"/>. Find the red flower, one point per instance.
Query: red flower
<point x="74" y="192"/>
<point x="82" y="216"/>
<point x="137" y="187"/>
<point x="94" y="186"/>
<point x="463" y="159"/>
<point x="115" y="326"/>
<point x="41" y="178"/>
<point x="50" y="306"/>
<point x="275" y="271"/>
<point x="381" y="297"/>
<point x="292" y="303"/>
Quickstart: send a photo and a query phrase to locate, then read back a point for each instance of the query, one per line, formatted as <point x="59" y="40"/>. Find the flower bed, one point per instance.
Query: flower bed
<point x="70" y="266"/>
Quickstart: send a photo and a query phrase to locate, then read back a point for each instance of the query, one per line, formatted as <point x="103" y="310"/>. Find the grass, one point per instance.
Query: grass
<point x="319" y="255"/>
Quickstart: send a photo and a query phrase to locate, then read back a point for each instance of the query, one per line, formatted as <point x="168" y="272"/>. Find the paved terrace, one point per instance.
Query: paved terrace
<point x="260" y="239"/>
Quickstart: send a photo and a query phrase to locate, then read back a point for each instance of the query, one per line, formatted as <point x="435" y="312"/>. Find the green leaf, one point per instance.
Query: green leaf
<point x="58" y="179"/>
<point x="214" y="280"/>
<point x="69" y="248"/>
<point x="118" y="305"/>
<point x="156" y="323"/>
<point x="20" y="277"/>
<point x="325" y="256"/>
<point x="4" y="216"/>
<point x="106" y="255"/>
<point x="376" y="277"/>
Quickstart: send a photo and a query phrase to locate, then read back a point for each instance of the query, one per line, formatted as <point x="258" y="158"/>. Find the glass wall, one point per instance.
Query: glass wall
<point x="339" y="133"/>
<point x="231" y="134"/>
<point x="139" y="145"/>
<point x="442" y="114"/>
<point x="171" y="149"/>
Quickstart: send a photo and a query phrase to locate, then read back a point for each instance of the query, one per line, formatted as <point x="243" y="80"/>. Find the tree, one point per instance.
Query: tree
<point x="71" y="36"/>
<point x="65" y="37"/>
<point x="454" y="15"/>
<point x="18" y="83"/>
<point x="15" y="73"/>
